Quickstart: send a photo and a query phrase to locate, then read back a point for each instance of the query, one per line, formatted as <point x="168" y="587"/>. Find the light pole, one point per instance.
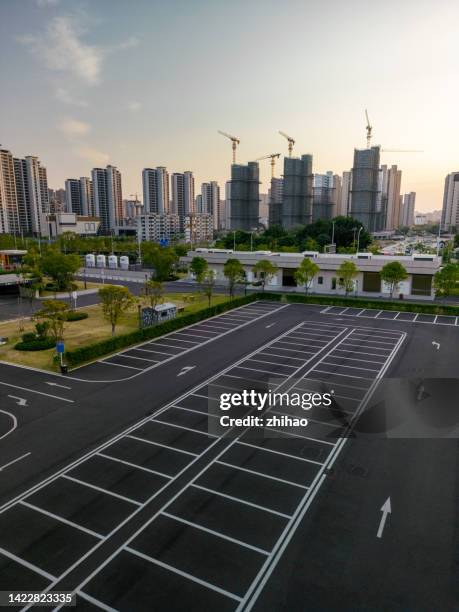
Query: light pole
<point x="438" y="238"/>
<point x="354" y="229"/>
<point x="333" y="232"/>
<point x="234" y="240"/>
<point x="358" y="239"/>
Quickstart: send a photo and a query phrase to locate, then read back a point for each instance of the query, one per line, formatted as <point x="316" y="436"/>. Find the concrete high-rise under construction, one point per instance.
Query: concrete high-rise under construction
<point x="245" y="196"/>
<point x="275" y="202"/>
<point x="365" y="204"/>
<point x="297" y="191"/>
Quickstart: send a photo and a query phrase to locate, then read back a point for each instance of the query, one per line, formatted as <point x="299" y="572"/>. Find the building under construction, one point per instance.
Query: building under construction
<point x="326" y="193"/>
<point x="297" y="191"/>
<point x="275" y="201"/>
<point x="365" y="204"/>
<point x="245" y="198"/>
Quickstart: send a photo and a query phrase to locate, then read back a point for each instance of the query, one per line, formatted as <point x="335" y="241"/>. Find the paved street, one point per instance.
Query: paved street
<point x="117" y="484"/>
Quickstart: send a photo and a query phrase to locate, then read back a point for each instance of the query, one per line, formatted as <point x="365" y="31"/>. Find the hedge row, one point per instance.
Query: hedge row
<point x="35" y="345"/>
<point x="99" y="349"/>
<point x="402" y="306"/>
<point x="76" y="315"/>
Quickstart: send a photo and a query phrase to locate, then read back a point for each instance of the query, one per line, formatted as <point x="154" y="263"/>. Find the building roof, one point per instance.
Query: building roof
<point x="165" y="306"/>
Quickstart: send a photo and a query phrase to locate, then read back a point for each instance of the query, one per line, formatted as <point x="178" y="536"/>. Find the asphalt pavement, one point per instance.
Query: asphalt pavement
<point x="117" y="484"/>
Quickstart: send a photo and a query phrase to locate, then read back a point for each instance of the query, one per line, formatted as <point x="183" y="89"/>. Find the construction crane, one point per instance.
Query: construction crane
<point x="369" y="129"/>
<point x="291" y="142"/>
<point x="273" y="158"/>
<point x="235" y="141"/>
<point x="401" y="151"/>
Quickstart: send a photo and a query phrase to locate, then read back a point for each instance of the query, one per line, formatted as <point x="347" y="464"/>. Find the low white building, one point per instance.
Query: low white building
<point x="418" y="285"/>
<point x="70" y="222"/>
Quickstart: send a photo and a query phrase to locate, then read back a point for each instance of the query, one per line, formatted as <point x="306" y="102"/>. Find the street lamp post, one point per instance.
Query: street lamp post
<point x="333" y="232"/>
<point x="234" y="240"/>
<point x="358" y="239"/>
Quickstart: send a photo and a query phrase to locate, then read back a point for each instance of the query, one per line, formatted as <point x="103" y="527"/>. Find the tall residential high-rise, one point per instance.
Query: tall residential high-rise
<point x="9" y="213"/>
<point x="326" y="192"/>
<point x="450" y="211"/>
<point x="297" y="191"/>
<point x="228" y="205"/>
<point x="407" y="209"/>
<point x="245" y="199"/>
<point x="108" y="197"/>
<point x="182" y="185"/>
<point x="79" y="196"/>
<point x="57" y="200"/>
<point x="155" y="183"/>
<point x="275" y="202"/>
<point x="210" y="194"/>
<point x="390" y="196"/>
<point x="32" y="193"/>
<point x="366" y="189"/>
<point x="344" y="198"/>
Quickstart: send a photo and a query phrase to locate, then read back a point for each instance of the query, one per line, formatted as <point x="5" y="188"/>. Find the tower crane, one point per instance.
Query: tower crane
<point x="291" y="142"/>
<point x="369" y="129"/>
<point x="273" y="158"/>
<point x="235" y="141"/>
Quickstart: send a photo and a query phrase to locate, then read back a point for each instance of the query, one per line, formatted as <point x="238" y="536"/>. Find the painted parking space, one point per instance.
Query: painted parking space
<point x="392" y="315"/>
<point x="146" y="356"/>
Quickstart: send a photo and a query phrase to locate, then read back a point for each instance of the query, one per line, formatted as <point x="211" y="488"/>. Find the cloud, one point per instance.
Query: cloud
<point x="74" y="127"/>
<point x="62" y="50"/>
<point x="43" y="3"/>
<point x="97" y="158"/>
<point x="134" y="106"/>
<point x="64" y="95"/>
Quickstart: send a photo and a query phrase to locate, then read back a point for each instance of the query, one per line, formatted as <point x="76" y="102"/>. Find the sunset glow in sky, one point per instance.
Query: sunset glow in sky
<point x="148" y="83"/>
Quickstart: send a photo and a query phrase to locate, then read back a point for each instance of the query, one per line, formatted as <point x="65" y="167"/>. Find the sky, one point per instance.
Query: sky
<point x="149" y="83"/>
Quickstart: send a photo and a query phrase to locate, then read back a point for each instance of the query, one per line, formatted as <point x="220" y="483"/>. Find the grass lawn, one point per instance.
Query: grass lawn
<point x="90" y="330"/>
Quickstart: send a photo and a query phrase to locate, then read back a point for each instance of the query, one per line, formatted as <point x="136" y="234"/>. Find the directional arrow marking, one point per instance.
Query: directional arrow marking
<point x="271" y="324"/>
<point x="53" y="384"/>
<point x="185" y="370"/>
<point x="436" y="344"/>
<point x="385" y="509"/>
<point x="21" y="401"/>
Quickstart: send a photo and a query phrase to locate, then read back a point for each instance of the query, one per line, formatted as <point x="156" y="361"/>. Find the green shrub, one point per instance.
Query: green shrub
<point x="35" y="345"/>
<point x="76" y="315"/>
<point x="29" y="337"/>
<point x="99" y="349"/>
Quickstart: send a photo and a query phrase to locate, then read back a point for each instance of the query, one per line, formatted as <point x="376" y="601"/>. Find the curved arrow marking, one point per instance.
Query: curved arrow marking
<point x="15" y="423"/>
<point x="385" y="509"/>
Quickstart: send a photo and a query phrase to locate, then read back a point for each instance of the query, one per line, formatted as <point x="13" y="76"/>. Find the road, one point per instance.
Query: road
<point x="117" y="485"/>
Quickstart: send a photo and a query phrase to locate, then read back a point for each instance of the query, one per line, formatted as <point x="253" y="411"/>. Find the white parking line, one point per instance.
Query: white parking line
<point x="207" y="414"/>
<point x="120" y="365"/>
<point x="197" y="431"/>
<point x="276" y="363"/>
<point x="281" y="348"/>
<point x="268" y="354"/>
<point x="135" y="465"/>
<point x="354" y="359"/>
<point x="177" y="450"/>
<point x="275" y="452"/>
<point x="262" y="474"/>
<point x="240" y="501"/>
<point x="175" y="570"/>
<point x="263" y="371"/>
<point x="353" y="352"/>
<point x="344" y="375"/>
<point x="26" y="564"/>
<point x="215" y="533"/>
<point x="100" y="489"/>
<point x="139" y="358"/>
<point x="61" y="519"/>
<point x="341" y="365"/>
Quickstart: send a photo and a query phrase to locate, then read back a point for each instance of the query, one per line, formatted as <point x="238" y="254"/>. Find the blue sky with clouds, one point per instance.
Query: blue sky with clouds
<point x="146" y="82"/>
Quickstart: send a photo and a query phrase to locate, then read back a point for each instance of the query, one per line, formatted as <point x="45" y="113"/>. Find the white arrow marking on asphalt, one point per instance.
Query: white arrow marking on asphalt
<point x="185" y="370"/>
<point x="14" y="461"/>
<point x="385" y="509"/>
<point x="271" y="324"/>
<point x="53" y="384"/>
<point x="21" y="401"/>
<point x="436" y="344"/>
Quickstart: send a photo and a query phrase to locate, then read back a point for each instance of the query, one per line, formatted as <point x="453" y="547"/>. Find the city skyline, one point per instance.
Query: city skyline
<point x="90" y="72"/>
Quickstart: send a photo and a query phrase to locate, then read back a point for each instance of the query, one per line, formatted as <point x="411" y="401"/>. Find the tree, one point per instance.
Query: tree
<point x="54" y="313"/>
<point x="347" y="272"/>
<point x="115" y="301"/>
<point x="446" y="279"/>
<point x="393" y="273"/>
<point x="59" y="267"/>
<point x="234" y="272"/>
<point x="306" y="272"/>
<point x="198" y="266"/>
<point x="162" y="259"/>
<point x="154" y="292"/>
<point x="208" y="284"/>
<point x="266" y="269"/>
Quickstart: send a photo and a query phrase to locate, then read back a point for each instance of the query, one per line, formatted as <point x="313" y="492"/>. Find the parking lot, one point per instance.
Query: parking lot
<point x="215" y="540"/>
<point x="391" y="315"/>
<point x="143" y="357"/>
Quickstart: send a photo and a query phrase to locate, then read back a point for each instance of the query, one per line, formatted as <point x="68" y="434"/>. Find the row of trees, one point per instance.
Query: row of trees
<point x="393" y="273"/>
